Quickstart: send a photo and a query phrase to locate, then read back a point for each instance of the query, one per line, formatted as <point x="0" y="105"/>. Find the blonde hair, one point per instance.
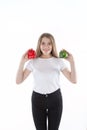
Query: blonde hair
<point x="54" y="50"/>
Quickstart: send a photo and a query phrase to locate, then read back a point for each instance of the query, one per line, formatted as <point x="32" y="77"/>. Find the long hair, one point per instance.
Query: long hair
<point x="54" y="50"/>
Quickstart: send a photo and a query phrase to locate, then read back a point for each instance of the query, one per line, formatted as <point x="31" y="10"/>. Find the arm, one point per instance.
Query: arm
<point x="22" y="74"/>
<point x="70" y="75"/>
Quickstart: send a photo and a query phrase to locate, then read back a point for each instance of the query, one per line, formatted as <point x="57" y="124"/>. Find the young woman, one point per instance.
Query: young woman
<point x="46" y="95"/>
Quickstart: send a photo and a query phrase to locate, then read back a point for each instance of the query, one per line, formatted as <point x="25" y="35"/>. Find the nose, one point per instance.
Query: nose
<point x="46" y="45"/>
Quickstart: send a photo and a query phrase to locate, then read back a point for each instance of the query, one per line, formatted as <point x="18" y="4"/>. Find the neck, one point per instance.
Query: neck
<point x="46" y="56"/>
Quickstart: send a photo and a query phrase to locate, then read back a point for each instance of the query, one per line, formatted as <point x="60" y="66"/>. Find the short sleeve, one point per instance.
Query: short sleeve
<point x="62" y="64"/>
<point x="29" y="66"/>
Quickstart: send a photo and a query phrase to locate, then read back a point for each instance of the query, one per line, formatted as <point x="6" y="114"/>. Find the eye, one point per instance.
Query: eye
<point x="43" y="43"/>
<point x="49" y="43"/>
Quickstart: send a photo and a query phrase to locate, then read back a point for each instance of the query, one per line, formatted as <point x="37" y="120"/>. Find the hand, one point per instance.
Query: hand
<point x="70" y="56"/>
<point x="25" y="57"/>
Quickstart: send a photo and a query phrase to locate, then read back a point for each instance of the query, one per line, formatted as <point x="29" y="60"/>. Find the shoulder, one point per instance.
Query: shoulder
<point x="60" y="62"/>
<point x="33" y="61"/>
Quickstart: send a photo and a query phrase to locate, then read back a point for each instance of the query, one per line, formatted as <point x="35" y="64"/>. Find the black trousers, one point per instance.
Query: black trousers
<point x="47" y="110"/>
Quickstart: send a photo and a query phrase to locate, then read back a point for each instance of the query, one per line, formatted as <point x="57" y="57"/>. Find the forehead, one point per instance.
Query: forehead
<point x="45" y="39"/>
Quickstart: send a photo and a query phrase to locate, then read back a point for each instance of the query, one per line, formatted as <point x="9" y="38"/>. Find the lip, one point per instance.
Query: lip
<point x="46" y="50"/>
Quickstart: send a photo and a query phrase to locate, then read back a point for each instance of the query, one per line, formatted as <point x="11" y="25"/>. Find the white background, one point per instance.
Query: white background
<point x="21" y="24"/>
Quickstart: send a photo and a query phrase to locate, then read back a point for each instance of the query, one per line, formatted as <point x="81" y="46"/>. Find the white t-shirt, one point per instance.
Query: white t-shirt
<point x="46" y="73"/>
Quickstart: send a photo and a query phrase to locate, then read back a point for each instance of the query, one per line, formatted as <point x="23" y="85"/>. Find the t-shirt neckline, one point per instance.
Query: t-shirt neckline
<point x="45" y="58"/>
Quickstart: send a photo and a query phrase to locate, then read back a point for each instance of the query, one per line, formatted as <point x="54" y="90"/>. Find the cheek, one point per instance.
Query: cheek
<point x="41" y="47"/>
<point x="51" y="47"/>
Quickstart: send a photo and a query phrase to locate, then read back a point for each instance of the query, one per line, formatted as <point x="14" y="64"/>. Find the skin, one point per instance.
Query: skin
<point x="46" y="49"/>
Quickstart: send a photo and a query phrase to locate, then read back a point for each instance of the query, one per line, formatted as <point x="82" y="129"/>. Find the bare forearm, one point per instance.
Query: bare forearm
<point x="73" y="72"/>
<point x="19" y="76"/>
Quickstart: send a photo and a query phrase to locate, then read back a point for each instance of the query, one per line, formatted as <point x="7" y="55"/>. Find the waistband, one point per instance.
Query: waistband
<point x="48" y="94"/>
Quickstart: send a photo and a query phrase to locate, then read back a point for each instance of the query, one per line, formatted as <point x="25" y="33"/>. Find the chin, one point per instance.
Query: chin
<point x="47" y="53"/>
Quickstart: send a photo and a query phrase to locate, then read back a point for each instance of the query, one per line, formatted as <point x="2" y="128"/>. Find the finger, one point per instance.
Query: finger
<point x="26" y="53"/>
<point x="66" y="51"/>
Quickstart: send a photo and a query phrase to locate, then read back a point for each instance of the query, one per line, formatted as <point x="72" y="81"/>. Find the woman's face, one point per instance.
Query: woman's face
<point x="46" y="46"/>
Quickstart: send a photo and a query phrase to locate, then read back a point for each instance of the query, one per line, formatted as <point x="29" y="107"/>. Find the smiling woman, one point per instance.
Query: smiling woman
<point x="46" y="68"/>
